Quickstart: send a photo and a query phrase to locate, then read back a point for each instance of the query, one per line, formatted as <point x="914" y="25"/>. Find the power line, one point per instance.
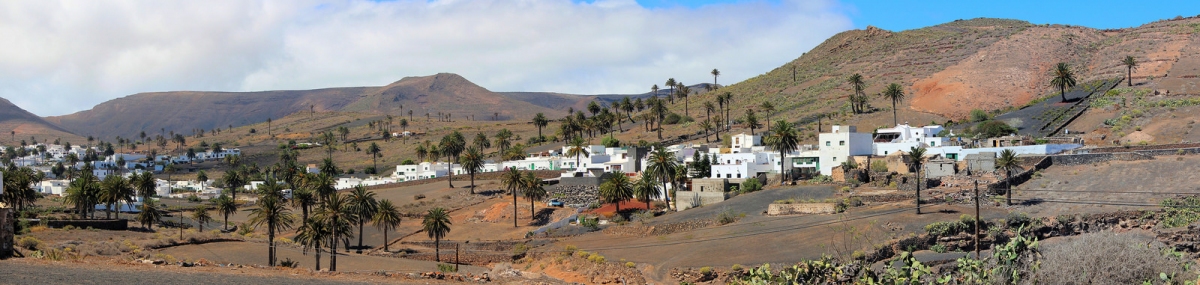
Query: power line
<point x="1109" y="192"/>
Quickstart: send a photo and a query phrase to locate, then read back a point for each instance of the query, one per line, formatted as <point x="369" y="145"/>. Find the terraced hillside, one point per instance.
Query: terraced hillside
<point x="950" y="69"/>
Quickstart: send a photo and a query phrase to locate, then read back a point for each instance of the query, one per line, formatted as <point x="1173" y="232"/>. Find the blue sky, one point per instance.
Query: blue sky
<point x="904" y="15"/>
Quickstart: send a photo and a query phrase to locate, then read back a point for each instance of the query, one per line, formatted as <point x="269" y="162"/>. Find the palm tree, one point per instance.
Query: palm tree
<point x="645" y="189"/>
<point x="481" y="142"/>
<point x="272" y="213"/>
<point x="472" y="162"/>
<point x="234" y="180"/>
<point x="856" y="83"/>
<point x="201" y="216"/>
<point x="226" y="206"/>
<point x="337" y="213"/>
<point x="616" y="189"/>
<point x="540" y="121"/>
<point x="422" y="153"/>
<point x="661" y="167"/>
<point x="578" y="149"/>
<point x="706" y="125"/>
<point x="728" y="105"/>
<point x="784" y="139"/>
<point x="364" y="206"/>
<point x="323" y="185"/>
<point x="113" y="190"/>
<point x="917" y="155"/>
<point x="313" y="234"/>
<point x="752" y="121"/>
<point x="387" y="218"/>
<point x="767" y="108"/>
<point x="895" y="93"/>
<point x="452" y="145"/>
<point x="670" y="84"/>
<point x="1130" y="64"/>
<point x="684" y="91"/>
<point x="627" y="106"/>
<point x="715" y="73"/>
<point x="374" y="151"/>
<point x="1063" y="78"/>
<point x="1007" y="162"/>
<point x="531" y="186"/>
<point x="437" y="224"/>
<point x="513" y="182"/>
<point x="149" y="215"/>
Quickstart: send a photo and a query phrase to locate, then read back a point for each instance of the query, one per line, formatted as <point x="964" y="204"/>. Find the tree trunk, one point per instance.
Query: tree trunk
<point x="894" y="118"/>
<point x="333" y="248"/>
<point x="1008" y="185"/>
<point x="318" y="263"/>
<point x="514" y="208"/>
<point x="1063" y="89"/>
<point x="918" y="174"/>
<point x="450" y="172"/>
<point x="226" y="221"/>
<point x="360" y="236"/>
<point x="666" y="195"/>
<point x="1128" y="79"/>
<point x="472" y="182"/>
<point x="271" y="245"/>
<point x="437" y="249"/>
<point x="385" y="241"/>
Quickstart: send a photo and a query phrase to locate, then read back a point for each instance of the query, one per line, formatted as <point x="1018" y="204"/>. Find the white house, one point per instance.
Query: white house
<point x="744" y="165"/>
<point x="745" y="141"/>
<point x="53" y="187"/>
<point x="904" y="138"/>
<point x="839" y="145"/>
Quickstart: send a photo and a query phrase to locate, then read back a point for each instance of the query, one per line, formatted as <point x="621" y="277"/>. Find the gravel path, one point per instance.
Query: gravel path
<point x="16" y="272"/>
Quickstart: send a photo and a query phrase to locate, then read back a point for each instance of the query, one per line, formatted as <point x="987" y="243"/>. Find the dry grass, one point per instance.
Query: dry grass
<point x="1108" y="258"/>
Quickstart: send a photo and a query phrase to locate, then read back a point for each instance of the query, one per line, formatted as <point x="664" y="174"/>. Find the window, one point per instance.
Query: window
<point x="885" y="152"/>
<point x="841" y="143"/>
<point x="739" y="175"/>
<point x="827" y="143"/>
<point x="834" y="158"/>
<point x="932" y="143"/>
<point x="727" y="175"/>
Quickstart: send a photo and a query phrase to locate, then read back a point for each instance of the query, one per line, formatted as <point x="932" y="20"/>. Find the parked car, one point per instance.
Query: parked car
<point x="555" y="203"/>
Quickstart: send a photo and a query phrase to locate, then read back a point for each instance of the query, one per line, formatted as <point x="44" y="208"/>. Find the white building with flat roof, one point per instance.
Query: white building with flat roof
<point x="839" y="145"/>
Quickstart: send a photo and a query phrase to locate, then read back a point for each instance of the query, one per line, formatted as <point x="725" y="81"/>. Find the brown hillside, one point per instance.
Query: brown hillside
<point x="19" y="124"/>
<point x="447" y="93"/>
<point x="187" y="110"/>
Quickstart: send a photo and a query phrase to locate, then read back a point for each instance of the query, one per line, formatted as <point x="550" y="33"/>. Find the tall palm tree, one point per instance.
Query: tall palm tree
<point x="513" y="182"/>
<point x="645" y="189"/>
<point x="374" y="151"/>
<point x="437" y="224"/>
<point x="272" y="213"/>
<point x="578" y="149"/>
<point x="917" y="156"/>
<point x="1130" y="64"/>
<point x="627" y="106"/>
<point x="767" y="108"/>
<point x="386" y="218"/>
<point x="422" y="153"/>
<point x="540" y="122"/>
<point x="472" y="162"/>
<point x="684" y="91"/>
<point x="894" y="93"/>
<point x="616" y="189"/>
<point x="531" y="186"/>
<point x="784" y="139"/>
<point x="1007" y="162"/>
<point x="728" y="105"/>
<point x="856" y="83"/>
<point x="337" y="214"/>
<point x="201" y="216"/>
<point x="364" y="206"/>
<point x="661" y="167"/>
<point x="706" y="125"/>
<point x="721" y="110"/>
<point x="304" y="198"/>
<point x="670" y="84"/>
<point x="314" y="234"/>
<point x="226" y="206"/>
<point x="322" y="184"/>
<point x="481" y="141"/>
<point x="715" y="73"/>
<point x="452" y="145"/>
<point x="234" y="180"/>
<point x="1064" y="78"/>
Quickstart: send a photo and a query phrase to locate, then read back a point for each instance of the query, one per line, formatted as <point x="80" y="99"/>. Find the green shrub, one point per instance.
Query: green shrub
<point x="446" y="268"/>
<point x="610" y="141"/>
<point x="30" y="243"/>
<point x="821" y="179"/>
<point x="598" y="259"/>
<point x="726" y="217"/>
<point x="673" y="119"/>
<point x="938" y="248"/>
<point x="590" y="223"/>
<point x="630" y="264"/>
<point x="978" y="115"/>
<point x="706" y="270"/>
<point x="992" y="129"/>
<point x="736" y="268"/>
<point x="289" y="263"/>
<point x="947" y="228"/>
<point x="879" y="166"/>
<point x="1018" y="220"/>
<point x="751" y="185"/>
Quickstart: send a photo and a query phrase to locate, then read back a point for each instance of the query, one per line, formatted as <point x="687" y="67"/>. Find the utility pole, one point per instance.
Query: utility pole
<point x="977" y="219"/>
<point x="456" y="256"/>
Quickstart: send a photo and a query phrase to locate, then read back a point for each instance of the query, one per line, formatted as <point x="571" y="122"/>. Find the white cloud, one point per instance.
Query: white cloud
<point x="61" y="57"/>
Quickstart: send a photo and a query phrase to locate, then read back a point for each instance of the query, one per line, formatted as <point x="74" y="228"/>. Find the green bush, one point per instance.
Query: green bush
<point x="630" y="264"/>
<point x="992" y="129"/>
<point x="289" y="263"/>
<point x="706" y="270"/>
<point x="610" y="141"/>
<point x="590" y="223"/>
<point x="978" y="115"/>
<point x="1018" y="220"/>
<point x="947" y="228"/>
<point x="938" y="248"/>
<point x="408" y="162"/>
<point x="879" y="166"/>
<point x="673" y="119"/>
<point x="446" y="268"/>
<point x="751" y="185"/>
<point x="30" y="243"/>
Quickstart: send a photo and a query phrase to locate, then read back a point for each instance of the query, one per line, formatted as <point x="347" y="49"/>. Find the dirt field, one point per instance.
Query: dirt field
<point x="256" y="253"/>
<point x="1161" y="175"/>
<point x="757" y="239"/>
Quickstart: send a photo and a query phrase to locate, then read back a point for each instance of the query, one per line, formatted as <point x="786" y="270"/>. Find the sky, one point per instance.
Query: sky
<point x="60" y="57"/>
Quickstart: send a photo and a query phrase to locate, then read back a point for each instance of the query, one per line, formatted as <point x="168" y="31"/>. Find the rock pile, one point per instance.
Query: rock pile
<point x="575" y="195"/>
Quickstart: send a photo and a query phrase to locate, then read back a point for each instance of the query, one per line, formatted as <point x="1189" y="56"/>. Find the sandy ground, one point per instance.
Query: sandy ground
<point x="1164" y="175"/>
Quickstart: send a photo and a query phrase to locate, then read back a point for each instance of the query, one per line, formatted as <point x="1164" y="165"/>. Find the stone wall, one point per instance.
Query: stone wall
<point x="112" y="225"/>
<point x="581" y="181"/>
<point x="7" y="224"/>
<point x="690" y="199"/>
<point x="796" y="209"/>
<point x="1131" y="148"/>
<point x="575" y="194"/>
<point x="710" y="185"/>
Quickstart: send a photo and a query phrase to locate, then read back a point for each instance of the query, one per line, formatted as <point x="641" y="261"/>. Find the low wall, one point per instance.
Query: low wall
<point x="803" y="208"/>
<point x="7" y="229"/>
<point x="580" y="181"/>
<point x="690" y="199"/>
<point x="1171" y="147"/>
<point x="112" y="225"/>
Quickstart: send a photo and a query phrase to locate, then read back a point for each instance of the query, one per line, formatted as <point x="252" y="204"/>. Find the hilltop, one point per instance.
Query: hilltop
<point x="20" y="124"/>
